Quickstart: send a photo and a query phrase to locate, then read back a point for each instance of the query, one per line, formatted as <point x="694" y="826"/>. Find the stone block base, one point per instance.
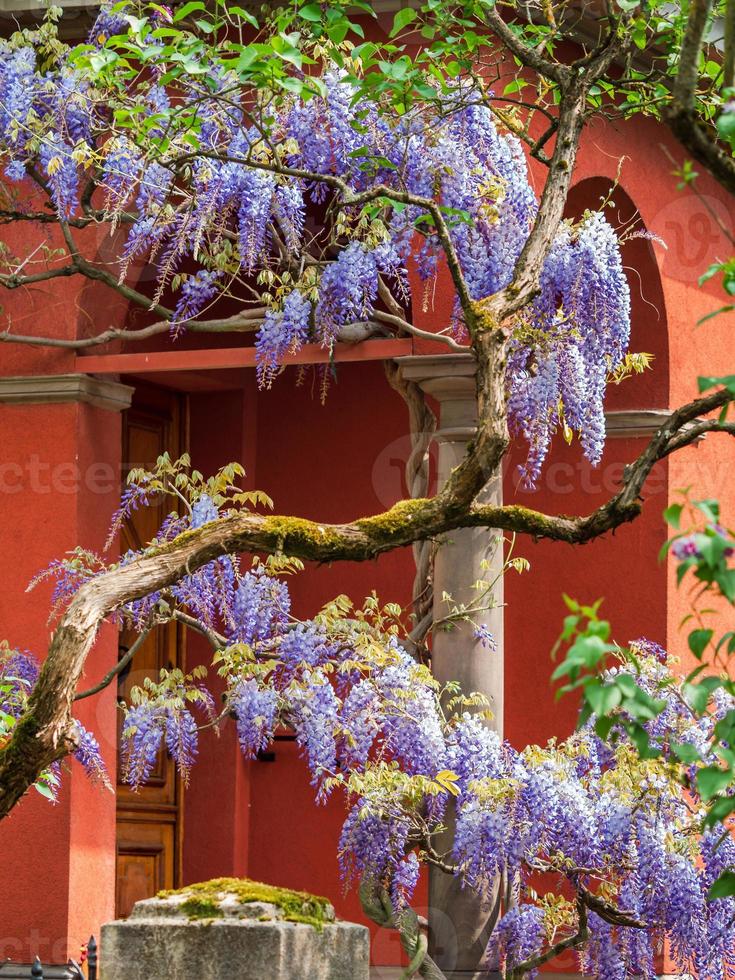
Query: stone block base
<point x="252" y="941"/>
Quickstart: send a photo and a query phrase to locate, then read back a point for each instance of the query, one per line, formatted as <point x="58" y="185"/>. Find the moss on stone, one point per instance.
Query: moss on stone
<point x="200" y="908"/>
<point x="203" y="900"/>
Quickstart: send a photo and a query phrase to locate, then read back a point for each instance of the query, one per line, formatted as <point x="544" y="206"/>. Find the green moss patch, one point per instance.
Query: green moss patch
<point x="203" y="900"/>
<point x="200" y="908"/>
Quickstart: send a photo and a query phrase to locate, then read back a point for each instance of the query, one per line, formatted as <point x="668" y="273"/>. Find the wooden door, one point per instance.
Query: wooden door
<point x="149" y="823"/>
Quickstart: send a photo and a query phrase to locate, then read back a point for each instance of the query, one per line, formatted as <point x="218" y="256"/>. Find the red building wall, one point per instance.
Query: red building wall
<point x="60" y="466"/>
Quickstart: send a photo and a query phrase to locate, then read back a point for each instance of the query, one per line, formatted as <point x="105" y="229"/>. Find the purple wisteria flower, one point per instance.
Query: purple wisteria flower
<point x="255" y="709"/>
<point x="227" y="205"/>
<point x="89" y="756"/>
<point x="260" y="609"/>
<point x="142" y="740"/>
<point x="282" y="332"/>
<point x="485" y="637"/>
<point x="197" y="291"/>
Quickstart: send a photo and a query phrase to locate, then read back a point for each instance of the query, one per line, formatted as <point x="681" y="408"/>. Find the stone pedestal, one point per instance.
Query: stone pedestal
<point x="460" y="920"/>
<point x="221" y="937"/>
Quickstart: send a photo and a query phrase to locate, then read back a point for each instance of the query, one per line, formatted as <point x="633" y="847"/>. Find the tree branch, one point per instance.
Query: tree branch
<point x="702" y="143"/>
<point x="116" y="670"/>
<point x="728" y="69"/>
<point x="242" y="322"/>
<point x="574" y="90"/>
<point x="376" y="905"/>
<point x="13" y="280"/>
<point x="606" y="910"/>
<point x="216" y="640"/>
<point x="697" y="137"/>
<point x="401" y="324"/>
<point x="530" y="57"/>
<point x="687" y="76"/>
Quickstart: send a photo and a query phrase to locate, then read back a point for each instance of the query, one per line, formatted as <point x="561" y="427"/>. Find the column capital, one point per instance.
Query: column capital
<point x="48" y="389"/>
<point x="450" y="378"/>
<point x="445" y="376"/>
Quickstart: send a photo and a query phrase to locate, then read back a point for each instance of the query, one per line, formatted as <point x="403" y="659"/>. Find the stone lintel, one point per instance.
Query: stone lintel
<point x="51" y="389"/>
<point x="644" y="422"/>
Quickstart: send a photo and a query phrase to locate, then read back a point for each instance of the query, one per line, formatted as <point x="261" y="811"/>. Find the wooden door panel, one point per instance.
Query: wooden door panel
<point x="148" y="820"/>
<point x="145" y="861"/>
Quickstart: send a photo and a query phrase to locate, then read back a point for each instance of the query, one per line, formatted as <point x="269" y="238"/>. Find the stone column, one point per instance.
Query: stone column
<point x="459" y="919"/>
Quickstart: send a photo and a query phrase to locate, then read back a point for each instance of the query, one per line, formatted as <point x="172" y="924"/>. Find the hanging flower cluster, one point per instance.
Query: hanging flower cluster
<point x="224" y="179"/>
<point x="620" y="836"/>
<point x="18" y="675"/>
<point x="369" y="721"/>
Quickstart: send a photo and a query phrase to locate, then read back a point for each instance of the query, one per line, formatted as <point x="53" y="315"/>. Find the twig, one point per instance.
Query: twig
<point x="118" y="669"/>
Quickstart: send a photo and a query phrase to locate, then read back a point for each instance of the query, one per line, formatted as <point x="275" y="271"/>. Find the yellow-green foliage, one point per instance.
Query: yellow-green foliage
<point x="203" y="900"/>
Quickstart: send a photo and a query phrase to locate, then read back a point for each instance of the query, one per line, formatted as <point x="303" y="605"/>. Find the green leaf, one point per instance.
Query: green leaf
<point x="587" y="652"/>
<point x="672" y="515"/>
<point x="570" y="627"/>
<point x="602" y="726"/>
<point x="698" y="695"/>
<point x="719" y="810"/>
<point x="603" y="698"/>
<point x="710" y="509"/>
<point x="599" y="627"/>
<point x="712" y="780"/>
<point x="244" y="15"/>
<point x="725" y="578"/>
<point x="188" y="8"/>
<point x="724" y="886"/>
<point x="312" y="12"/>
<point x="338" y="32"/>
<point x="643" y="707"/>
<point x="725" y="728"/>
<point x="727" y="381"/>
<point x="726" y="125"/>
<point x="712" y="548"/>
<point x="639" y="737"/>
<point x="364" y="52"/>
<point x="402" y="19"/>
<point x="685" y="752"/>
<point x="711" y="271"/>
<point x="517" y="85"/>
<point x="698" y="641"/>
<point x="292" y="84"/>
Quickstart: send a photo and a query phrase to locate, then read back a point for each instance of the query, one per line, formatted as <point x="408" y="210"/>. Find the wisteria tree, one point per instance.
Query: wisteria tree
<point x="293" y="168"/>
